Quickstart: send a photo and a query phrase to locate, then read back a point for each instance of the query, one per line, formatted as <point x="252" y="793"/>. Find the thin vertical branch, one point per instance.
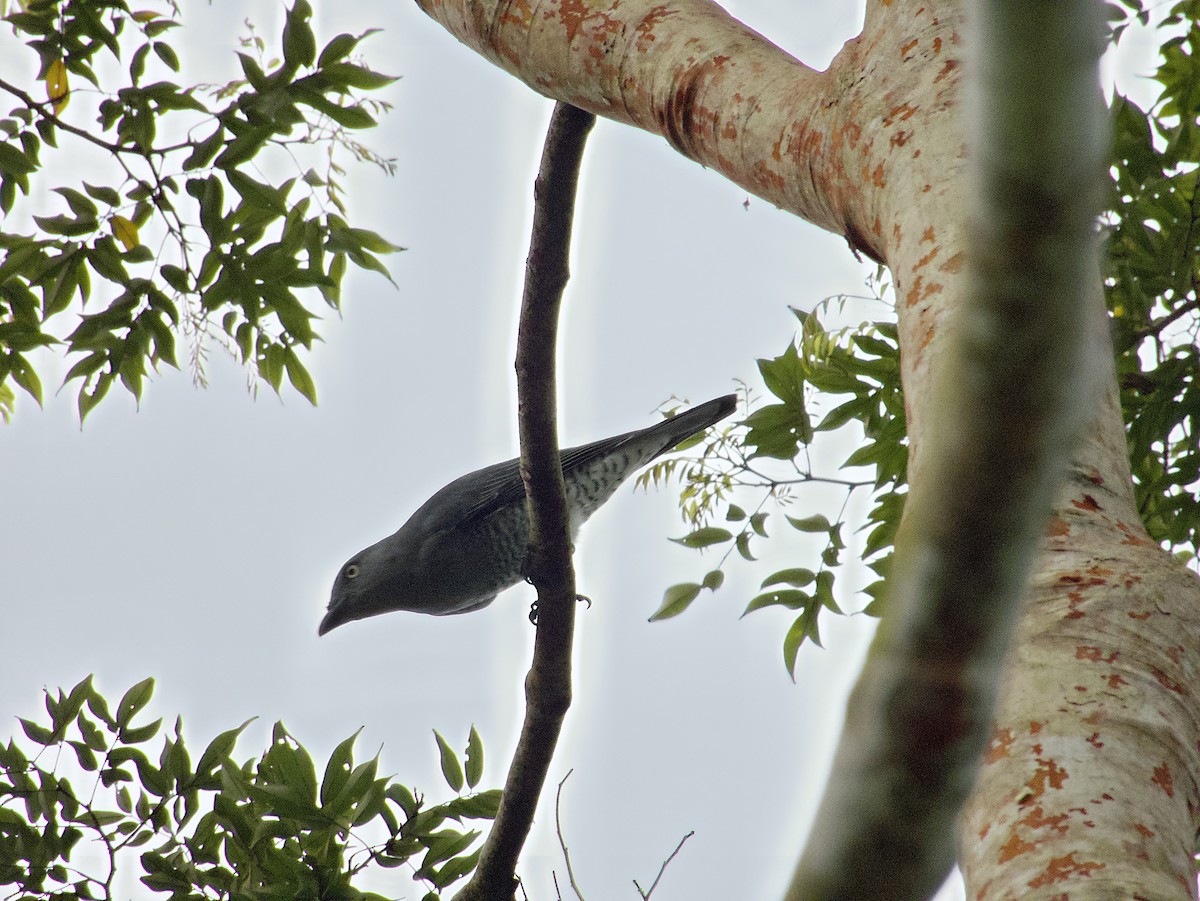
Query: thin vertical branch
<point x="548" y="684"/>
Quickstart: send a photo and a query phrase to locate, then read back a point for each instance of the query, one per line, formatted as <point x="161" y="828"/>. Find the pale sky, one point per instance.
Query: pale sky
<point x="196" y="540"/>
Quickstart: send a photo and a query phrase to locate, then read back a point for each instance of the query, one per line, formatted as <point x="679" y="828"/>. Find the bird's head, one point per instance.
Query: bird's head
<point x="413" y="570"/>
<point x="376" y="580"/>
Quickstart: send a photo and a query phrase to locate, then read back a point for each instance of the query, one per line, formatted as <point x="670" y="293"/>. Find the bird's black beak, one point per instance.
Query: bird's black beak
<point x="333" y="618"/>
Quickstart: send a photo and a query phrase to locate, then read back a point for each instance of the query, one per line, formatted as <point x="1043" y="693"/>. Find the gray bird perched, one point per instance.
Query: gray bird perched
<point x="469" y="541"/>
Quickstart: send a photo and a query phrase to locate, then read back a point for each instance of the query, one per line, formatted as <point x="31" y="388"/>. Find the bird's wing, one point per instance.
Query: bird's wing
<point x="483" y="492"/>
<point x="472" y="497"/>
<point x="498" y="486"/>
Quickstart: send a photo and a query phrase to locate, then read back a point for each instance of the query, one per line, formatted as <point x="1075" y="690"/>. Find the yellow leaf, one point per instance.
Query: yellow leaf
<point x="145" y="15"/>
<point x="125" y="232"/>
<point x="57" y="89"/>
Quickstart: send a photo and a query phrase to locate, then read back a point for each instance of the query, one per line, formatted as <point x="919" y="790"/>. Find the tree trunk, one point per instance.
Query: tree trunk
<point x="1091" y="786"/>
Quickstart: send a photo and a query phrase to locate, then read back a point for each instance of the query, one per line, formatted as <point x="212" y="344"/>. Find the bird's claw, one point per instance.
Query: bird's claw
<point x="579" y="598"/>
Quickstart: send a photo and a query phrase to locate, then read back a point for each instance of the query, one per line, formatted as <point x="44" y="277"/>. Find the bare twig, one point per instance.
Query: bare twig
<point x="548" y="684"/>
<point x="562" y="842"/>
<point x="650" y="891"/>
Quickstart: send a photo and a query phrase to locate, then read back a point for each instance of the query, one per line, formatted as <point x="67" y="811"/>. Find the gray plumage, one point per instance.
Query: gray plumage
<point x="469" y="541"/>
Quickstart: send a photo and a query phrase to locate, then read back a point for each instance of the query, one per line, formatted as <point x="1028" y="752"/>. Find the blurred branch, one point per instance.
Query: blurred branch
<point x="1015" y="390"/>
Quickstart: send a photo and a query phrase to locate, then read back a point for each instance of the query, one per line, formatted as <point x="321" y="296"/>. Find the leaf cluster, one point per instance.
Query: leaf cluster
<point x="861" y="361"/>
<point x="264" y="828"/>
<point x="1152" y="279"/>
<point x="186" y="233"/>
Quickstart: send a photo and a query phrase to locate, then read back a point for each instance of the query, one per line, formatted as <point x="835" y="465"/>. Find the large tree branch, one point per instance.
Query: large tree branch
<point x="1014" y="390"/>
<point x="548" y="685"/>
<point x="719" y="92"/>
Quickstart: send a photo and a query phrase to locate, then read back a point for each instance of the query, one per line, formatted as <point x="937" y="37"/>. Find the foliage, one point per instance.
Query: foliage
<point x="863" y="362"/>
<point x="264" y="828"/>
<point x="185" y="233"/>
<point x="1152" y="280"/>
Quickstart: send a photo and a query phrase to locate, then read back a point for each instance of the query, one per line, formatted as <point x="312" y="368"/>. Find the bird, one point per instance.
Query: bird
<point x="469" y="541"/>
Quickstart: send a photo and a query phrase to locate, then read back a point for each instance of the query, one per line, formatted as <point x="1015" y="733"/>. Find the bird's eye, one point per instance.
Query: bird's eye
<point x="352" y="571"/>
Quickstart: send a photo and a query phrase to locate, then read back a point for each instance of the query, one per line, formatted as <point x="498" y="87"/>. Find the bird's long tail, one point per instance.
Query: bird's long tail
<point x="686" y="424"/>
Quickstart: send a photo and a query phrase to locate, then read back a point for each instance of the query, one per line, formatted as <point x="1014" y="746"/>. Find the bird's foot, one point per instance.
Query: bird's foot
<point x="579" y="599"/>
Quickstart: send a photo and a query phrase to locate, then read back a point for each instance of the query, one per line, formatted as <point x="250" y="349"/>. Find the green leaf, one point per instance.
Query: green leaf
<point x="815" y="523"/>
<point x="713" y="579"/>
<point x="13" y="161"/>
<point x="258" y="194"/>
<point x="455" y="869"/>
<point x="87" y="366"/>
<point x="791" y="598"/>
<point x="337" y="49"/>
<point x="137" y="64"/>
<point x="797" y="577"/>
<point x="204" y="151"/>
<point x="243" y="148"/>
<point x="134" y="700"/>
<point x="299" y="44"/>
<point x="784" y="376"/>
<point x="66" y="225"/>
<point x="89" y="398"/>
<point x="876" y="346"/>
<point x="675" y="600"/>
<point x="359" y="799"/>
<point x="481" y="806"/>
<point x="25" y="376"/>
<point x="36" y="733"/>
<point x="175" y="277"/>
<point x="352" y="76"/>
<point x="167" y="55"/>
<point x="825" y="591"/>
<point x="704" y="537"/>
<point x="743" y="546"/>
<point x="79" y="203"/>
<point x="451" y="768"/>
<point x="139" y="734"/>
<point x="218" y="751"/>
<point x="777" y="430"/>
<point x="337" y="770"/>
<point x="403" y="798"/>
<point x="354" y="117"/>
<point x="474" y="758"/>
<point x="292" y="315"/>
<point x="804" y="626"/>
<point x="858" y="408"/>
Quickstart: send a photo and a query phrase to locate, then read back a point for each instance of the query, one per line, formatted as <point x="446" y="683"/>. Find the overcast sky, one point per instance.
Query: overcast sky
<point x="196" y="539"/>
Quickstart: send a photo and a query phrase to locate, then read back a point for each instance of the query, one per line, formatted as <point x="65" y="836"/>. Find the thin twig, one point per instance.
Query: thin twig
<point x="1155" y="328"/>
<point x="39" y="108"/>
<point x="646" y="894"/>
<point x="562" y="842"/>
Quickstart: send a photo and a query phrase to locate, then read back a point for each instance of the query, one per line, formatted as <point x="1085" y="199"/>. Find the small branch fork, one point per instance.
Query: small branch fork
<point x="548" y="684"/>
<point x="562" y="843"/>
